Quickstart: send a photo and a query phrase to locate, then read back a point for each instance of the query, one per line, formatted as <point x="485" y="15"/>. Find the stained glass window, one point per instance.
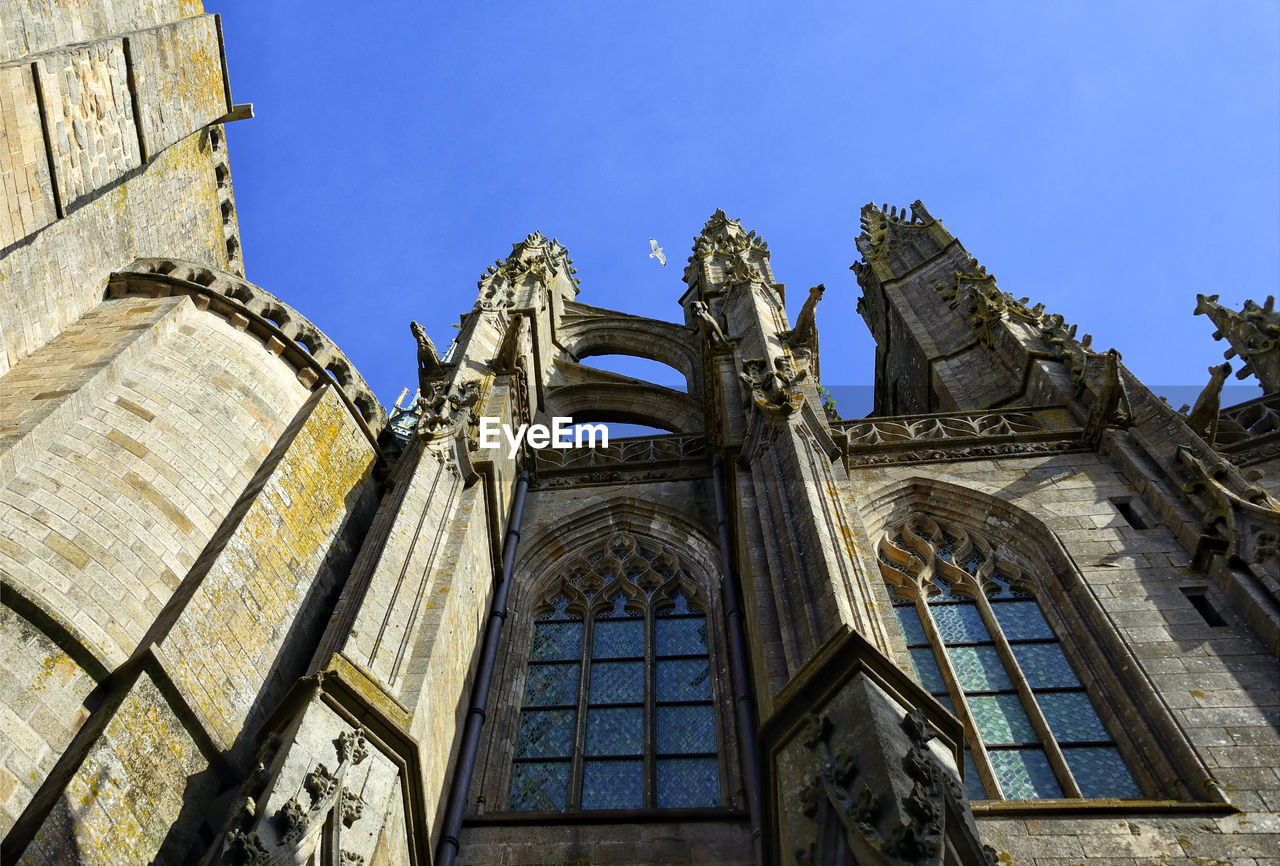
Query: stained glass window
<point x="617" y="709"/>
<point x="981" y="645"/>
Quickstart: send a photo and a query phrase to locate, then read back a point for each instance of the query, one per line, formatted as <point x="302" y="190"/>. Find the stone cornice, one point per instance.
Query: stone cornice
<point x="283" y="330"/>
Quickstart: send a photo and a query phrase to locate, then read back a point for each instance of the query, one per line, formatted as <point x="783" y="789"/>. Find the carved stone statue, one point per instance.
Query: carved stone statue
<point x="776" y="391"/>
<point x="1111" y="408"/>
<point x="805" y="333"/>
<point x="429" y="367"/>
<point x="1204" y="417"/>
<point x="714" y="332"/>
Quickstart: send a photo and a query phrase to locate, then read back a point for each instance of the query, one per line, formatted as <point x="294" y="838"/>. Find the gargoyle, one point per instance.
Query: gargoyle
<point x="1111" y="407"/>
<point x="714" y="332"/>
<point x="429" y="367"/>
<point x="1204" y="417"/>
<point x="805" y="333"/>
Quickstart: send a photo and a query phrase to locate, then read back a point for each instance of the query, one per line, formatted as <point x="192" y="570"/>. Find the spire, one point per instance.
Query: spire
<point x="890" y="235"/>
<point x="724" y="253"/>
<point x="533" y="260"/>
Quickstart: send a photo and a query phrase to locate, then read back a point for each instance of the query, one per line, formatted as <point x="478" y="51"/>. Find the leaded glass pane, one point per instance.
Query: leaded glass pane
<point x="684" y="680"/>
<point x="947" y="548"/>
<point x="1045" y="666"/>
<point x="551" y="684"/>
<point x="615" y="731"/>
<point x="688" y="782"/>
<point x="617" y="682"/>
<point x="539" y="786"/>
<point x="1072" y="717"/>
<point x="556" y="641"/>
<point x="959" y="623"/>
<point x="1004" y="588"/>
<point x="927" y="670"/>
<point x="679" y="602"/>
<point x="1024" y="774"/>
<point x="1001" y="719"/>
<point x="686" y="729"/>
<point x="618" y="638"/>
<point x="944" y="588"/>
<point x="612" y="784"/>
<point x="545" y="734"/>
<point x="1021" y="620"/>
<point x="619" y="605"/>
<point x="973" y="787"/>
<point x="681" y="636"/>
<point x="912" y="630"/>
<point x="979" y="669"/>
<point x="1100" y="772"/>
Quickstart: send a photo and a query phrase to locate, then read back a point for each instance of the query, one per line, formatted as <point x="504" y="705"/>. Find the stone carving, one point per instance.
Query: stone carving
<point x="805" y="333"/>
<point x="956" y="436"/>
<point x="1111" y="406"/>
<point x="443" y="404"/>
<point x="1255" y="417"/>
<point x="293" y="818"/>
<point x="725" y="256"/>
<point x="921" y="836"/>
<point x="773" y="391"/>
<point x="912" y="552"/>
<point x="301" y="826"/>
<point x="508" y="357"/>
<point x="958" y="425"/>
<point x="643" y="572"/>
<point x="535" y="260"/>
<point x="429" y="367"/>
<point x="244" y="849"/>
<point x="1203" y="420"/>
<point x="1239" y="521"/>
<point x="952" y="451"/>
<point x="1254" y="335"/>
<point x="1249" y="433"/>
<point x="715" y="334"/>
<point x="642" y="453"/>
<point x="886" y="231"/>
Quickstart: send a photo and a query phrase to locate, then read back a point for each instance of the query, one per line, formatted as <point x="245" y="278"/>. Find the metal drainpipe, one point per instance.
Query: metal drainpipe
<point x="461" y="784"/>
<point x="744" y="702"/>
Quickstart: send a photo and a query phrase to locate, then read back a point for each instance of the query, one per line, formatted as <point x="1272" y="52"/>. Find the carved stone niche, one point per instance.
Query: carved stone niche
<point x="861" y="768"/>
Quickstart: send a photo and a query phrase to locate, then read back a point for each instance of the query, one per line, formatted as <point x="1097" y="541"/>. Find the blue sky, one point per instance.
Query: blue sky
<point x="1110" y="160"/>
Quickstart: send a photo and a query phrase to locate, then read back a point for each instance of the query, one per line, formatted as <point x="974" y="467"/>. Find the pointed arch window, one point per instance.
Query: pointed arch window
<point x="981" y="645"/>
<point x="618" y="708"/>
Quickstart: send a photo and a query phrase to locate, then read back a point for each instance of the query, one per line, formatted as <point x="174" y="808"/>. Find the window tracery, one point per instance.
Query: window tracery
<point x="618" y="709"/>
<point x="980" y="644"/>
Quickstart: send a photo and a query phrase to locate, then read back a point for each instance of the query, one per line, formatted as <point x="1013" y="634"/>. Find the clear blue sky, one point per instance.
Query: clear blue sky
<point x="1108" y="159"/>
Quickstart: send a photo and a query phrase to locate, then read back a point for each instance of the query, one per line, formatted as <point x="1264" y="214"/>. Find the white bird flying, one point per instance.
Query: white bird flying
<point x="657" y="252"/>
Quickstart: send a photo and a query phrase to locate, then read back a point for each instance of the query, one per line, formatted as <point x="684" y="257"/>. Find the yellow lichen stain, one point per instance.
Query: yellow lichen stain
<point x="277" y="549"/>
<point x="57" y="662"/>
<point x="1196" y="693"/>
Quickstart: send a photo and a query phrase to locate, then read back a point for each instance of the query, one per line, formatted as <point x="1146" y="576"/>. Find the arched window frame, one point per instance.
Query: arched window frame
<point x="541" y="579"/>
<point x="928" y="563"/>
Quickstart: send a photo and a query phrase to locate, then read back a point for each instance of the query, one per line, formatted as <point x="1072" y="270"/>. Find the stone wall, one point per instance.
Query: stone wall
<point x="114" y="510"/>
<point x="170" y="209"/>
<point x="112" y="152"/>
<point x="31" y="26"/>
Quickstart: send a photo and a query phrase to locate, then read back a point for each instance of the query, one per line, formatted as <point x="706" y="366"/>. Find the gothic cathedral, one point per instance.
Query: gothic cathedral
<point x="1026" y="612"/>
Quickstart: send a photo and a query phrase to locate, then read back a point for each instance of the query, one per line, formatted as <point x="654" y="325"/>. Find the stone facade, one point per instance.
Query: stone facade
<point x="1026" y="612"/>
